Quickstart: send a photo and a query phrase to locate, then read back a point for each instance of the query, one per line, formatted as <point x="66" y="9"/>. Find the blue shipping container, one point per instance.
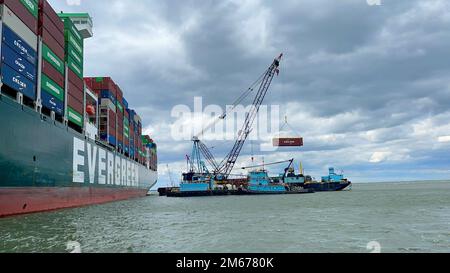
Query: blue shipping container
<point x="131" y="113"/>
<point x="16" y="81"/>
<point x="14" y="60"/>
<point x="106" y="94"/>
<point x="17" y="44"/>
<point x="52" y="103"/>
<point x="151" y="145"/>
<point x="110" y="139"/>
<point x="125" y="103"/>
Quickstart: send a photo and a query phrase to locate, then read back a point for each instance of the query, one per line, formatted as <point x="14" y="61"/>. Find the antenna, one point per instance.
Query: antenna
<point x="253" y="155"/>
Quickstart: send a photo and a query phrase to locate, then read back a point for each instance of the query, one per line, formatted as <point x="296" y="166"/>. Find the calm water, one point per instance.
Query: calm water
<point x="401" y="217"/>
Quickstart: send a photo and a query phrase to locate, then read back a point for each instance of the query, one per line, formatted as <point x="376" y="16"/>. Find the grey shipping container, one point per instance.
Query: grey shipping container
<point x="14" y="22"/>
<point x="23" y="13"/>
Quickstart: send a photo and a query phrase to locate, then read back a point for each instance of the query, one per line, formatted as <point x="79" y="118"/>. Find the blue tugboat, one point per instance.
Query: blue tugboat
<point x="261" y="183"/>
<point x="332" y="182"/>
<point x="197" y="184"/>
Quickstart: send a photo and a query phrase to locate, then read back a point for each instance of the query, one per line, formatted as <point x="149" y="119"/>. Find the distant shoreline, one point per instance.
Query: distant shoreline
<point x="406" y="181"/>
<point x="361" y="183"/>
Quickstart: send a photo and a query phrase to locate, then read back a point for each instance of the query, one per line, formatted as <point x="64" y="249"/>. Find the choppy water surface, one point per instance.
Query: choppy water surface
<point x="401" y="217"/>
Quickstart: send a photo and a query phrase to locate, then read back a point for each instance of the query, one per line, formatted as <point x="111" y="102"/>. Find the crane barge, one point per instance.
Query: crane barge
<point x="199" y="180"/>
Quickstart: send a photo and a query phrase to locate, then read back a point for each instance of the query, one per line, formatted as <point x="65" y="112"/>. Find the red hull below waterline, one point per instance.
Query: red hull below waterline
<point x="15" y="201"/>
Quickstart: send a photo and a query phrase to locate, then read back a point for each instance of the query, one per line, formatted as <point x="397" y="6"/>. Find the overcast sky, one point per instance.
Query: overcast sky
<point x="368" y="87"/>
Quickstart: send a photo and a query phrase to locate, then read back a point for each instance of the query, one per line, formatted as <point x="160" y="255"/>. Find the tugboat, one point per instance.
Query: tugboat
<point x="332" y="182"/>
<point x="261" y="183"/>
<point x="199" y="184"/>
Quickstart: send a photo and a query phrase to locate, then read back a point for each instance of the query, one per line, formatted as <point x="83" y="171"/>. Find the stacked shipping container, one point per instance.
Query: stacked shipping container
<point x="120" y="117"/>
<point x="37" y="44"/>
<point x="151" y="157"/>
<point x="131" y="114"/>
<point x="120" y="126"/>
<point x="74" y="58"/>
<point x="126" y="127"/>
<point x="19" y="27"/>
<point x="106" y="89"/>
<point x="51" y="31"/>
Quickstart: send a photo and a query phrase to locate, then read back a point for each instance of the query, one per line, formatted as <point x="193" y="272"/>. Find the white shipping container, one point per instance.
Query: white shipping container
<point x="14" y="23"/>
<point x="137" y="119"/>
<point x="108" y="103"/>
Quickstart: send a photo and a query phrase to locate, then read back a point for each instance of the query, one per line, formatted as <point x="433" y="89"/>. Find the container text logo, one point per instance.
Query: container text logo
<point x="213" y="123"/>
<point x="19" y="82"/>
<point x="18" y="44"/>
<point x="94" y="165"/>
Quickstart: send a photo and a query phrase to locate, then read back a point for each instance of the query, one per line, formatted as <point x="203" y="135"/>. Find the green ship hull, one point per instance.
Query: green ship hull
<point x="45" y="165"/>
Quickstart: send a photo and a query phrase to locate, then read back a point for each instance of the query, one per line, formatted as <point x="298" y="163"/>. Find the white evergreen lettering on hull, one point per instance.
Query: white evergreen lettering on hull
<point x="95" y="165"/>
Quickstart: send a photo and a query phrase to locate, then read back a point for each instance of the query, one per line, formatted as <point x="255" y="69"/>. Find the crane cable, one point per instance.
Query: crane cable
<point x="286" y="123"/>
<point x="269" y="164"/>
<point x="234" y="105"/>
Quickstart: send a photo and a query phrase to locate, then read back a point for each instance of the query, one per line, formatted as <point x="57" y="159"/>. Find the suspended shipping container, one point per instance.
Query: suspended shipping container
<point x="288" y="142"/>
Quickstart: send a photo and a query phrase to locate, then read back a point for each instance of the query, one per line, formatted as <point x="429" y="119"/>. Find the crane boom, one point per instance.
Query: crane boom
<point x="223" y="170"/>
<point x="228" y="163"/>
<point x="269" y="164"/>
<point x="201" y="147"/>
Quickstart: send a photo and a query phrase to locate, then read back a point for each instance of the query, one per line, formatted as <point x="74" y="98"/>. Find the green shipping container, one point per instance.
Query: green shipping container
<point x="51" y="87"/>
<point x="126" y="132"/>
<point x="120" y="107"/>
<point x="69" y="26"/>
<point x="72" y="40"/>
<point x="144" y="140"/>
<point x="32" y="6"/>
<point x="52" y="59"/>
<point x="75" y="67"/>
<point x="70" y="51"/>
<point x="75" y="117"/>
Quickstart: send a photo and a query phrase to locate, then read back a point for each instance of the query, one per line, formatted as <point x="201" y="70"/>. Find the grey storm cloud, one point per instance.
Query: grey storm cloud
<point x="370" y="83"/>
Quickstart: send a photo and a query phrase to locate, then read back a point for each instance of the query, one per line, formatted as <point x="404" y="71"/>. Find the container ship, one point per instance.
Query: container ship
<point x="66" y="140"/>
